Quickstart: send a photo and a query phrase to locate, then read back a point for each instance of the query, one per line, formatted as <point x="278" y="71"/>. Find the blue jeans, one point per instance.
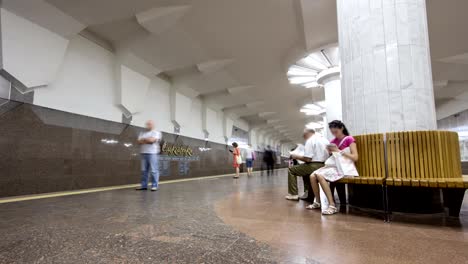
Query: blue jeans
<point x="149" y="164"/>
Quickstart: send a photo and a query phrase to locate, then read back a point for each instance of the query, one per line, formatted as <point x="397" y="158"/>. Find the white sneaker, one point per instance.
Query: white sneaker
<point x="292" y="197"/>
<point x="153" y="189"/>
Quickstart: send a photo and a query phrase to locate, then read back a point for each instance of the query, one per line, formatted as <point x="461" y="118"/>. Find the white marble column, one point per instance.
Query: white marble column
<point x="386" y="68"/>
<point x="330" y="79"/>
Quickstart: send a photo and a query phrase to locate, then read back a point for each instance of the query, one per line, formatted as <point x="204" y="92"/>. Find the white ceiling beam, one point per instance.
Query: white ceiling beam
<point x="239" y="89"/>
<point x="159" y="19"/>
<point x="213" y="65"/>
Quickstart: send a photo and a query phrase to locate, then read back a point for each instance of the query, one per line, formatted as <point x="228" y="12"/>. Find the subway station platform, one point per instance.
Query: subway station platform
<point x="219" y="220"/>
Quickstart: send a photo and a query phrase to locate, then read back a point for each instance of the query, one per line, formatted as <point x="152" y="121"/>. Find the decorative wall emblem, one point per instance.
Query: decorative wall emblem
<point x="173" y="150"/>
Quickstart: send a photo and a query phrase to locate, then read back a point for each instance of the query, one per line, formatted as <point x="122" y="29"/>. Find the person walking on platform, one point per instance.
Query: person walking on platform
<point x="149" y="150"/>
<point x="249" y="159"/>
<point x="237" y="159"/>
<point x="269" y="159"/>
<point x="315" y="154"/>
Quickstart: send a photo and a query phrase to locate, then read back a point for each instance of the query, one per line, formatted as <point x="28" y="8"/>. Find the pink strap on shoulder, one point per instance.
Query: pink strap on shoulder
<point x="343" y="141"/>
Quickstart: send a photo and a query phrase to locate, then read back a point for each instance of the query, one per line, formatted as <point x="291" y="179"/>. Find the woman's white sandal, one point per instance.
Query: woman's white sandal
<point x="330" y="210"/>
<point x="313" y="206"/>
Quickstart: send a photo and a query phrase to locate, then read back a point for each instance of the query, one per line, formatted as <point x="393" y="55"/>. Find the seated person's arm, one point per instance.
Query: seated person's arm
<point x="354" y="156"/>
<point x="301" y="158"/>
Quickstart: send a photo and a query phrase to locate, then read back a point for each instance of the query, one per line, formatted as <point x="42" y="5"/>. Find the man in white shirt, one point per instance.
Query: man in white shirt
<point x="149" y="150"/>
<point x="249" y="159"/>
<point x="315" y="154"/>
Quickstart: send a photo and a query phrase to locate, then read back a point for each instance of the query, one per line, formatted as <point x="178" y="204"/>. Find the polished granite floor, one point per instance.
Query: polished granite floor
<point x="218" y="221"/>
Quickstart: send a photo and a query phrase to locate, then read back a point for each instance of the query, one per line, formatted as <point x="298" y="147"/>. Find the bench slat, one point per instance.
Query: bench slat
<point x="415" y="158"/>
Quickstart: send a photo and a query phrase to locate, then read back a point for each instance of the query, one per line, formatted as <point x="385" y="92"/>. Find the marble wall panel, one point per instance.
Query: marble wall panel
<point x="44" y="150"/>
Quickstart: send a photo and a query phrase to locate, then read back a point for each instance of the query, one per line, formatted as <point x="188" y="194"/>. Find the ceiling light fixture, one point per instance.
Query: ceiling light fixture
<point x="314" y="125"/>
<point x="301" y="71"/>
<point x="312" y="109"/>
<point x="301" y="80"/>
<point x="314" y="63"/>
<point x="307" y="70"/>
<point x="313" y="84"/>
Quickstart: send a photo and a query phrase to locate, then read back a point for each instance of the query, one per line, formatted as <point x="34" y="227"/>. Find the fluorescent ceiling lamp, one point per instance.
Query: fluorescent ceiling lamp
<point x="313" y="84"/>
<point x="314" y="125"/>
<point x="314" y="63"/>
<point x="320" y="58"/>
<point x="312" y="109"/>
<point x="301" y="80"/>
<point x="311" y="112"/>
<point x="321" y="104"/>
<point x="301" y="71"/>
<point x="314" y="113"/>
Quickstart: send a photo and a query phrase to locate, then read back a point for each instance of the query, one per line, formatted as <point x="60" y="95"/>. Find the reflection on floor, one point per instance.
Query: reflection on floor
<point x="353" y="236"/>
<point x="217" y="221"/>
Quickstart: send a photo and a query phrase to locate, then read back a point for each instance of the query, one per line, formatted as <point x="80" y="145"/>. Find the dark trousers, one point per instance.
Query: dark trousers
<point x="270" y="167"/>
<point x="304" y="171"/>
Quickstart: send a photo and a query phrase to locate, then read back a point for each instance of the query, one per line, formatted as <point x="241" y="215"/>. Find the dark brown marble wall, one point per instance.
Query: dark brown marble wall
<point x="44" y="150"/>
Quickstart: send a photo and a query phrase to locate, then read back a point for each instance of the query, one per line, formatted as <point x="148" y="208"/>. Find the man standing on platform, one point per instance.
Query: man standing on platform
<point x="269" y="158"/>
<point x="315" y="154"/>
<point x="149" y="150"/>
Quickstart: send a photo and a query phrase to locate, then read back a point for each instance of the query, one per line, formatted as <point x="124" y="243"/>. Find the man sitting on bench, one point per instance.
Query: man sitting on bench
<point x="315" y="154"/>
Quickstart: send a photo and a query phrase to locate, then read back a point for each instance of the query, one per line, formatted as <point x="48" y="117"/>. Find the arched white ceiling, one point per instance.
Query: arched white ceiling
<point x="212" y="47"/>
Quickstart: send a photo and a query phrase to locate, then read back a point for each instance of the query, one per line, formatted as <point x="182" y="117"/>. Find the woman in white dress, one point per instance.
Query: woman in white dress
<point x="345" y="145"/>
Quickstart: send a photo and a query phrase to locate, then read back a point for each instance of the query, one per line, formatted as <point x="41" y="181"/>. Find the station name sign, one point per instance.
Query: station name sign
<point x="173" y="150"/>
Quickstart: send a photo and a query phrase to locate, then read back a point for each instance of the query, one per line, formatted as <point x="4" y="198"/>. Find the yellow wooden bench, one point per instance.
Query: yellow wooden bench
<point x="370" y="165"/>
<point x="371" y="162"/>
<point x="424" y="159"/>
<point x="428" y="159"/>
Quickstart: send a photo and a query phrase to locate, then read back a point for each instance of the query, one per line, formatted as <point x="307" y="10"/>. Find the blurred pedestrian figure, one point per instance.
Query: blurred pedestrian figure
<point x="237" y="159"/>
<point x="269" y="158"/>
<point x="149" y="150"/>
<point x="249" y="159"/>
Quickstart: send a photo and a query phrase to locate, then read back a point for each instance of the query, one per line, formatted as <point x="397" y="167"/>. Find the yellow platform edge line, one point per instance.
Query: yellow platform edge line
<point x="100" y="189"/>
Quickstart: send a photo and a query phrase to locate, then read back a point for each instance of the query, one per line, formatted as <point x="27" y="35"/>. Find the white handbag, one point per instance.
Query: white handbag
<point x="330" y="161"/>
<point x="239" y="159"/>
<point x="344" y="165"/>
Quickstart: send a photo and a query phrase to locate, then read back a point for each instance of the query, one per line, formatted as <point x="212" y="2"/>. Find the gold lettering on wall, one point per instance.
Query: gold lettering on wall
<point x="173" y="150"/>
